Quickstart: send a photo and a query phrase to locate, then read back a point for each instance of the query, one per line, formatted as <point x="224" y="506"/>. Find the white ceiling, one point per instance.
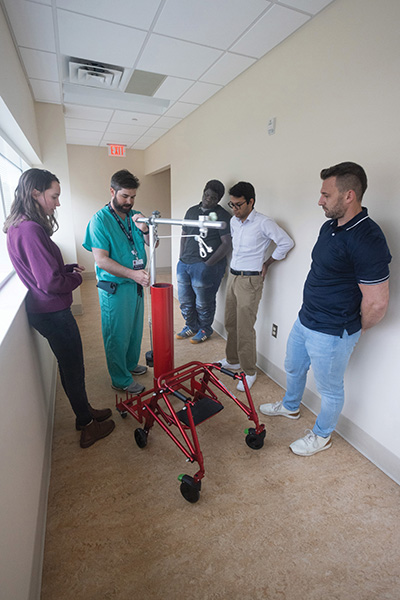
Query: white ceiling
<point x="199" y="45"/>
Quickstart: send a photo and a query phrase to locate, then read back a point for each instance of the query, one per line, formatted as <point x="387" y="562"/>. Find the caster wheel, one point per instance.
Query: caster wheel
<point x="124" y="414"/>
<point x="141" y="437"/>
<point x="254" y="440"/>
<point x="190" y="490"/>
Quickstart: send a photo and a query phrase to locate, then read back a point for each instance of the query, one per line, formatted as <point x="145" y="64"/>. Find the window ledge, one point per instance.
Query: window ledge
<point x="12" y="295"/>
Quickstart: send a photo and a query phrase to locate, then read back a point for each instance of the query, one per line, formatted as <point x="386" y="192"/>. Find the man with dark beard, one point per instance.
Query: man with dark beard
<point x="117" y="241"/>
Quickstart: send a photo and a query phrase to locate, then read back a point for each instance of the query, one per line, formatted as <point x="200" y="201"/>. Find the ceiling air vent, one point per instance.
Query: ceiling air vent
<point x="93" y="74"/>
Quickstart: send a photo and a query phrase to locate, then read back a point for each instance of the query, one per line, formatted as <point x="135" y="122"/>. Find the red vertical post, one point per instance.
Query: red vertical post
<point x="162" y="317"/>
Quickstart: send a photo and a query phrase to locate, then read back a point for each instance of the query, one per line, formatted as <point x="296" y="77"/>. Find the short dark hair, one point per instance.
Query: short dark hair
<point x="124" y="179"/>
<point x="243" y="189"/>
<point x="216" y="186"/>
<point x="349" y="176"/>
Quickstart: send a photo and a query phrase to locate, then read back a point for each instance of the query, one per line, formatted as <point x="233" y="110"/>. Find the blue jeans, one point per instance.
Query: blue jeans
<point x="197" y="288"/>
<point x="61" y="331"/>
<point x="328" y="355"/>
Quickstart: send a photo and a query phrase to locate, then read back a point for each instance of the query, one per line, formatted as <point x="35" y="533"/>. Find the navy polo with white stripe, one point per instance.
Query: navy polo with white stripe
<point x="343" y="257"/>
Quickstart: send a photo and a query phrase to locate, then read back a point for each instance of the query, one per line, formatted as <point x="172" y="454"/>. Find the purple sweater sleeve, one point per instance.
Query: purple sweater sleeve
<point x="40" y="266"/>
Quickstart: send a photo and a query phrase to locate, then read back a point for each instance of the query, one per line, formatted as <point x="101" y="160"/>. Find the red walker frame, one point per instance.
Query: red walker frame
<point x="193" y="384"/>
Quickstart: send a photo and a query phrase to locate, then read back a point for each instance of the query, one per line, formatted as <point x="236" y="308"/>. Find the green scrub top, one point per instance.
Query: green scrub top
<point x="104" y="232"/>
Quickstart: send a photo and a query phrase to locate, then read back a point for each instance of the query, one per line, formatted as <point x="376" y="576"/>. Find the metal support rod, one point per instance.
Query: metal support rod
<point x="183" y="222"/>
<point x="203" y="224"/>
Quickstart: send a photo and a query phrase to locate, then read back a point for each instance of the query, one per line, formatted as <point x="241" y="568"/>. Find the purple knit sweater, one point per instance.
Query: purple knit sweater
<point x="39" y="264"/>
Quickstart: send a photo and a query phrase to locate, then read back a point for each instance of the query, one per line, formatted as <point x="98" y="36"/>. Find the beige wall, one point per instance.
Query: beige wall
<point x="334" y="90"/>
<point x="90" y="171"/>
<point x="50" y="121"/>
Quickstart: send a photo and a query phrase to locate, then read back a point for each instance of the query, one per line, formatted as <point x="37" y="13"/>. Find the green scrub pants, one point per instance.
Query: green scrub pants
<point x="122" y="328"/>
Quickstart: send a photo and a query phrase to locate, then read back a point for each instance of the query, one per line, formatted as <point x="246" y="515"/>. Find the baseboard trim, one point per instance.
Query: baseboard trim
<point x="380" y="456"/>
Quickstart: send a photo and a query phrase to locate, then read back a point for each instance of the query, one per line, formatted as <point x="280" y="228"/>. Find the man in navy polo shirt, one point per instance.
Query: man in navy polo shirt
<point x="346" y="292"/>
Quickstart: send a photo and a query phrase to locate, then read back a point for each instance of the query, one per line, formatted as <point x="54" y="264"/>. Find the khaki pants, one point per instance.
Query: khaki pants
<point x="242" y="299"/>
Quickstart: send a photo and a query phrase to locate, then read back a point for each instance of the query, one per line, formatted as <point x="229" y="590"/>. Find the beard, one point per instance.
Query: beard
<point x="122" y="207"/>
<point x="337" y="211"/>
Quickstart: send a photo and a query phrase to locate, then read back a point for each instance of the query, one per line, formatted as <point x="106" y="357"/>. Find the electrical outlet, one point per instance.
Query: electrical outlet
<point x="274" y="331"/>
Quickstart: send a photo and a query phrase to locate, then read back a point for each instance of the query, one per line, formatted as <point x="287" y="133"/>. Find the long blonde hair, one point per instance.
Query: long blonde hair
<point x="25" y="207"/>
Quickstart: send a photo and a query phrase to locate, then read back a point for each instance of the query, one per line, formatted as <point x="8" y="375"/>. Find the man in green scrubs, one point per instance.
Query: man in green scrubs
<point x="117" y="242"/>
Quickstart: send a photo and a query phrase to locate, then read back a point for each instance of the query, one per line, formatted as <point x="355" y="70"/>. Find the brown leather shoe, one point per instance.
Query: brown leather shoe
<point x="95" y="431"/>
<point x="99" y="414"/>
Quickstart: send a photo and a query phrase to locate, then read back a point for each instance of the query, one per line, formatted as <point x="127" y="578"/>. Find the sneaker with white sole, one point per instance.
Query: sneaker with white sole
<point x="277" y="408"/>
<point x="200" y="336"/>
<point x="310" y="444"/>
<point x="233" y="367"/>
<point x="250" y="380"/>
<point x="133" y="388"/>
<point x="185" y="333"/>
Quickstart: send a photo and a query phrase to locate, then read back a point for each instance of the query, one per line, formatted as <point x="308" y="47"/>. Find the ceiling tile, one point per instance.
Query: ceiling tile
<point x="310" y="6"/>
<point x="278" y="23"/>
<point x="125" y="128"/>
<point x="200" y="92"/>
<point x="144" y="143"/>
<point x="85" y="125"/>
<point x="88" y="112"/>
<point x="133" y="118"/>
<point x="181" y="110"/>
<point x="46" y="91"/>
<point x="155" y="133"/>
<point x="93" y="39"/>
<point x="227" y="68"/>
<point x="208" y="22"/>
<point x="167" y="122"/>
<point x="134" y="13"/>
<point x="32" y="24"/>
<point x="83" y="137"/>
<point x="39" y="64"/>
<point x="173" y="88"/>
<point x="48" y="2"/>
<point x="119" y="138"/>
<point x="72" y="141"/>
<point x="174" y="57"/>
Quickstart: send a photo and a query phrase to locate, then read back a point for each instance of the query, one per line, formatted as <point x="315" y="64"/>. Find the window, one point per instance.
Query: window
<point x="11" y="167"/>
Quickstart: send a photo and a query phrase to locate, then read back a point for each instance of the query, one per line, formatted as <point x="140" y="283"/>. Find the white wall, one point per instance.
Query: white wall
<point x="51" y="126"/>
<point x="27" y="379"/>
<point x="334" y="90"/>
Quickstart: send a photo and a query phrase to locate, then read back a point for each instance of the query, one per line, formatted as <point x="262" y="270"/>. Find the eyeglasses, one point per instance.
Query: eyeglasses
<point x="236" y="204"/>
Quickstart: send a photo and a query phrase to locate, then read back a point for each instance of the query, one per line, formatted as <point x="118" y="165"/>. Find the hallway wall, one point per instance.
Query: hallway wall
<point x="334" y="89"/>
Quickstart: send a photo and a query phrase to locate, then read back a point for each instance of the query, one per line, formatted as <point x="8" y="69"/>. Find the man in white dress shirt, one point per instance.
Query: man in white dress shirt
<point x="252" y="233"/>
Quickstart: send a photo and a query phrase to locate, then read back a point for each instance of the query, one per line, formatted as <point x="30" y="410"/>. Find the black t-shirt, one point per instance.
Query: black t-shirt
<point x="191" y="252"/>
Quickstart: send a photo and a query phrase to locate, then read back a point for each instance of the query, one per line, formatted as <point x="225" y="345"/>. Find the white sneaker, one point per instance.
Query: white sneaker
<point x="310" y="444"/>
<point x="250" y="380"/>
<point x="224" y="363"/>
<point x="272" y="410"/>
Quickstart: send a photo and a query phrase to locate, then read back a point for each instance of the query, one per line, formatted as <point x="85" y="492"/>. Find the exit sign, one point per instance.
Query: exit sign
<point x="116" y="149"/>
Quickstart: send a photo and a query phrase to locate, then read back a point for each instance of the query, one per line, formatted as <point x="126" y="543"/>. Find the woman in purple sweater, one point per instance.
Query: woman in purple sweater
<point x="39" y="264"/>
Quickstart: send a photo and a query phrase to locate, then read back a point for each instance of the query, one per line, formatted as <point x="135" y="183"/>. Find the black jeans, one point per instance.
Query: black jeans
<point x="61" y="331"/>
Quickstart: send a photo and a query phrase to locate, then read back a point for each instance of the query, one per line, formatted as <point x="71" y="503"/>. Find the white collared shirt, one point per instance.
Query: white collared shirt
<point x="251" y="239"/>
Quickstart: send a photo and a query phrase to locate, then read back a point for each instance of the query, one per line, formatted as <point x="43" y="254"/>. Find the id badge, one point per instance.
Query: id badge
<point x="137" y="264"/>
